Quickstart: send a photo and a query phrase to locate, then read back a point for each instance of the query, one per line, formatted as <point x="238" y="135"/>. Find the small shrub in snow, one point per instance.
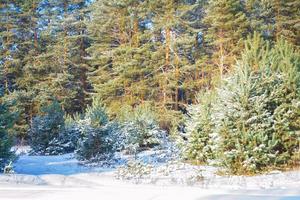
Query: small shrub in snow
<point x="45" y="130"/>
<point x="195" y="178"/>
<point x="133" y="170"/>
<point x="98" y="136"/>
<point x="8" y="169"/>
<point x="96" y="143"/>
<point x="140" y="130"/>
<point x="71" y="133"/>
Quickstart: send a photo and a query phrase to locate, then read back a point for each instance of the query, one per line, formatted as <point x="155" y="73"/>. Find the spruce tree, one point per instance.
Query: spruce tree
<point x="199" y="126"/>
<point x="252" y="123"/>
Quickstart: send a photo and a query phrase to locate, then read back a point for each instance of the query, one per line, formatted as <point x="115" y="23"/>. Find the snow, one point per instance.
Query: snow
<point x="39" y="165"/>
<point x="64" y="177"/>
<point x="114" y="190"/>
<point x="21" y="150"/>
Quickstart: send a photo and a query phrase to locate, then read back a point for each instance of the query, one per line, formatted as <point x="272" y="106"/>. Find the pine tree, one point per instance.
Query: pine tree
<point x="68" y="78"/>
<point x="29" y="46"/>
<point x="9" y="51"/>
<point x="260" y="16"/>
<point x="174" y="50"/>
<point x="120" y="55"/>
<point x="58" y="64"/>
<point x="227" y="26"/>
<point x="287" y="19"/>
<point x="275" y="19"/>
<point x="138" y="58"/>
<point x="14" y="48"/>
<point x="21" y="125"/>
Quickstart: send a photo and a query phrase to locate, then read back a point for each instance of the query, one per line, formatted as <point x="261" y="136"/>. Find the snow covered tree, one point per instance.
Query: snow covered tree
<point x="96" y="143"/>
<point x="45" y="130"/>
<point x="256" y="112"/>
<point x="199" y="127"/>
<point x="98" y="136"/>
<point x="140" y="130"/>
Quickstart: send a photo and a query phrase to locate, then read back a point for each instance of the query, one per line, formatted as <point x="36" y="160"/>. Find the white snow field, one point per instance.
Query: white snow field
<point x="62" y="178"/>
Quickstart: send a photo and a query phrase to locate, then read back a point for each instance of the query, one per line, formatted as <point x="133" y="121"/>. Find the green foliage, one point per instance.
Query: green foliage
<point x="7" y="119"/>
<point x="275" y="19"/>
<point x="253" y="120"/>
<point x="198" y="128"/>
<point x="97" y="113"/>
<point x="142" y="51"/>
<point x="98" y="136"/>
<point x="286" y="16"/>
<point x="140" y="130"/>
<point x="21" y="106"/>
<point x="227" y="26"/>
<point x="46" y="128"/>
<point x="252" y="135"/>
<point x="131" y="52"/>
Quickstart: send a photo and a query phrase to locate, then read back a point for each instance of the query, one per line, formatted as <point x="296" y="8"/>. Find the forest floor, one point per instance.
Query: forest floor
<point x="64" y="177"/>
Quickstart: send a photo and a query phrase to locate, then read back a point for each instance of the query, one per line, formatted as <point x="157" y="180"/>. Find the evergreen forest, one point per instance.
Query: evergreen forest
<point x="218" y="78"/>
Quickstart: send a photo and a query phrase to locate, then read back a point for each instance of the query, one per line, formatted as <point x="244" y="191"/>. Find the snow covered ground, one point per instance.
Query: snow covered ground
<point x="64" y="177"/>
